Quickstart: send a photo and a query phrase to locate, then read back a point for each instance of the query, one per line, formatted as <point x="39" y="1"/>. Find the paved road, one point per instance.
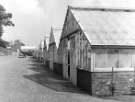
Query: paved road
<point x="25" y="80"/>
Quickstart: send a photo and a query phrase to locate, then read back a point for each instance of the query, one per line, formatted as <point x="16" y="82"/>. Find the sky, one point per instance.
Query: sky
<point x="34" y="18"/>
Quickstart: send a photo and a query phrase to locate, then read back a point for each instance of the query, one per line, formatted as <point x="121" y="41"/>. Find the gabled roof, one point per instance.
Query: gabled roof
<point x="43" y="45"/>
<point x="55" y="36"/>
<point x="51" y="38"/>
<point x="45" y="42"/>
<point x="104" y="26"/>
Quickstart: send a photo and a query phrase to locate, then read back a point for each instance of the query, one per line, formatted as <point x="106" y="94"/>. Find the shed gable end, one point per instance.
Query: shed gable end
<point x="51" y="39"/>
<point x="71" y="24"/>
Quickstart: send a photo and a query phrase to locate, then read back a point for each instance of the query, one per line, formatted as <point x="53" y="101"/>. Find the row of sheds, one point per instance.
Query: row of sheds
<point x="95" y="50"/>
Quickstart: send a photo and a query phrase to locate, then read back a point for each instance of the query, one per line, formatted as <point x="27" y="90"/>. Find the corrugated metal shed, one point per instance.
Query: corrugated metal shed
<point x="107" y="26"/>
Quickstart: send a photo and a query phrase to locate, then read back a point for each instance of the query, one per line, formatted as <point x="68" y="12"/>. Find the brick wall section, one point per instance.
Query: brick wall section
<point x="102" y="83"/>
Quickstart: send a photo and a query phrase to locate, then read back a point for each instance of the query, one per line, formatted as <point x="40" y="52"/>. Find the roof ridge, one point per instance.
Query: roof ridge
<point x="103" y="9"/>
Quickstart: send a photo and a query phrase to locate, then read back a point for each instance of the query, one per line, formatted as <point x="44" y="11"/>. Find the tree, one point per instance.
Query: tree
<point x="5" y="19"/>
<point x="3" y="43"/>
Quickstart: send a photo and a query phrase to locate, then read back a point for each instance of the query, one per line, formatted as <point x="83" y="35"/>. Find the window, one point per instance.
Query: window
<point x="100" y="58"/>
<point x="125" y="58"/>
<point x="113" y="58"/>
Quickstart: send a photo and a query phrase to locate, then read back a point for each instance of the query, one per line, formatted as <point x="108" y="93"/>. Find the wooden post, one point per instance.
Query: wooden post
<point x="134" y="75"/>
<point x="112" y="87"/>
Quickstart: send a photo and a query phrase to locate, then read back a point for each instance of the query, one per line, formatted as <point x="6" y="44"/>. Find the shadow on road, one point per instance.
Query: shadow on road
<point x="51" y="80"/>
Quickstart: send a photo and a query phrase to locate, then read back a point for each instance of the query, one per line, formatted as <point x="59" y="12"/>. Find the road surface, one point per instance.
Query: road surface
<point x="26" y="80"/>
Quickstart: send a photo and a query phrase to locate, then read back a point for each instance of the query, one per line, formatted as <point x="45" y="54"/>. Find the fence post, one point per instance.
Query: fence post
<point x="134" y="74"/>
<point x="112" y="82"/>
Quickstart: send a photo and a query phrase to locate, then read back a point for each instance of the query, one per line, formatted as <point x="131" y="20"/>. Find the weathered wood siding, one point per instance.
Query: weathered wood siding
<point x="65" y="58"/>
<point x="120" y="60"/>
<point x="102" y="83"/>
<point x="117" y="58"/>
<point x="47" y="57"/>
<point x="60" y="52"/>
<point x="52" y="55"/>
<point x="54" y="62"/>
<point x="74" y="42"/>
<point x="84" y="53"/>
<point x="80" y="55"/>
<point x="70" y="26"/>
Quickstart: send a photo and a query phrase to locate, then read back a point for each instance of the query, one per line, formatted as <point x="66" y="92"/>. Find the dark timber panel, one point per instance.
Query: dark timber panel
<point x="84" y="80"/>
<point x="47" y="63"/>
<point x="58" y="68"/>
<point x="122" y="83"/>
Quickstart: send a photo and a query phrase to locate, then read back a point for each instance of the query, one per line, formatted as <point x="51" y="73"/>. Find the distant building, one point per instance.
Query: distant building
<point x="97" y="48"/>
<point x="17" y="45"/>
<point x="53" y="46"/>
<point x="45" y="51"/>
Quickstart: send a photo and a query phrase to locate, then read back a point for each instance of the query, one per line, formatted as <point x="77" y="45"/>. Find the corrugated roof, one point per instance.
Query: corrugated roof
<point x="107" y="26"/>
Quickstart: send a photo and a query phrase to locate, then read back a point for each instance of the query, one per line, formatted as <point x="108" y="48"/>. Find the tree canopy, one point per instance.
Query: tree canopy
<point x="5" y="20"/>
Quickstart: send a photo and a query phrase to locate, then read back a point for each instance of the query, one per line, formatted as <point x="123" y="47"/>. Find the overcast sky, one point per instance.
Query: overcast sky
<point x="33" y="18"/>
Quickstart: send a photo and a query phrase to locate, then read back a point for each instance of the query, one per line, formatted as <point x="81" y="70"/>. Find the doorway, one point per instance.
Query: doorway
<point x="69" y="64"/>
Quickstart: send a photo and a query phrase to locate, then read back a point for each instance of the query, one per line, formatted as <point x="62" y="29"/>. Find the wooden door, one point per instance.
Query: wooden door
<point x="68" y="65"/>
